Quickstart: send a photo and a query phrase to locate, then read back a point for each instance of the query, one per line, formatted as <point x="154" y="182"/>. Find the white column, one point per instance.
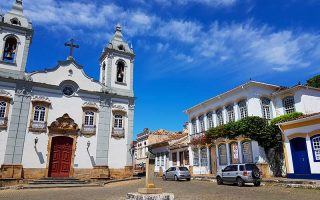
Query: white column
<point x="165" y="162"/>
<point x="178" y="158"/>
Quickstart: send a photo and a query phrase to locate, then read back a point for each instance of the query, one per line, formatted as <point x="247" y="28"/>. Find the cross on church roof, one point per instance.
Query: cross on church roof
<point x="71" y="45"/>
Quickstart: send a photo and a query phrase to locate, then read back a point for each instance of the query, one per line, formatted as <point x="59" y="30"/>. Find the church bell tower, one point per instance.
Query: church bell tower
<point x="15" y="38"/>
<point x="116" y="65"/>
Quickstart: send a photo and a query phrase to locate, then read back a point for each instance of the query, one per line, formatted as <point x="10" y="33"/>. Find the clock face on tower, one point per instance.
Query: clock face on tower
<point x="68" y="90"/>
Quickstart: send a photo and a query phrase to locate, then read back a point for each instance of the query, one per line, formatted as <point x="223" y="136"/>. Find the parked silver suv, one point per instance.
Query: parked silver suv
<point x="177" y="173"/>
<point x="240" y="174"/>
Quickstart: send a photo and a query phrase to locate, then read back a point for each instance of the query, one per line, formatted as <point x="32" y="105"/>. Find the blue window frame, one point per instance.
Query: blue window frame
<point x="315" y="143"/>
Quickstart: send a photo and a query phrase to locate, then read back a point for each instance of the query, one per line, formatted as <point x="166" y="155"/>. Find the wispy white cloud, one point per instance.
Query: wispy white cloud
<point x="236" y="46"/>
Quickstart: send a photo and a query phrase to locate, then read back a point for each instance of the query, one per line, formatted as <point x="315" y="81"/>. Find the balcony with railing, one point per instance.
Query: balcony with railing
<point x="3" y="122"/>
<point x="38" y="126"/>
<point x="118" y="133"/>
<point x="88" y="129"/>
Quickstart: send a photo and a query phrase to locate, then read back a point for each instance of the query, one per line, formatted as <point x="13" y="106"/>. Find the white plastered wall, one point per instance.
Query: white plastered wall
<point x="60" y="105"/>
<point x="118" y="147"/>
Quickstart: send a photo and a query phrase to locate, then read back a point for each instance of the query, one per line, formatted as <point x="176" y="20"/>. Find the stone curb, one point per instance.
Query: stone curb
<point x="283" y="183"/>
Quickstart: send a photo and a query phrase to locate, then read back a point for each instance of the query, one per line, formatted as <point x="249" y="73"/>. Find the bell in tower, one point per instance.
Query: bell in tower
<point x="10" y="49"/>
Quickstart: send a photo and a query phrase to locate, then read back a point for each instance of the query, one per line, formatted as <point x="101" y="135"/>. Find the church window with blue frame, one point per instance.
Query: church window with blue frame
<point x="39" y="114"/>
<point x="118" y="121"/>
<point x="3" y="108"/>
<point x="9" y="52"/>
<point x="89" y="118"/>
<point x="316" y="147"/>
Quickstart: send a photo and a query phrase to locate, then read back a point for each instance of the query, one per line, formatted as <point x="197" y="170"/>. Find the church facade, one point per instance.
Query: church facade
<point x="61" y="122"/>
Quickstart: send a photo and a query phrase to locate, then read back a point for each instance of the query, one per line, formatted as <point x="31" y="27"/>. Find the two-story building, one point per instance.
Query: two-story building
<point x="250" y="99"/>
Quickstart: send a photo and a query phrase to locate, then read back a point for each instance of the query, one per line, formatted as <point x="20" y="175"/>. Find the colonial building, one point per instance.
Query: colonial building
<point x="61" y="122"/>
<point x="301" y="143"/>
<point x="250" y="99"/>
<point x="165" y="145"/>
<point x="142" y="147"/>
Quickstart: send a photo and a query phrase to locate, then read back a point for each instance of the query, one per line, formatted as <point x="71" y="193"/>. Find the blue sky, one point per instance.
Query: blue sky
<point x="186" y="50"/>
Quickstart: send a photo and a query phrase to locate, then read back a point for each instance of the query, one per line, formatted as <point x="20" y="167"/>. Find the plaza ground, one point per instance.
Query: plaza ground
<point x="183" y="190"/>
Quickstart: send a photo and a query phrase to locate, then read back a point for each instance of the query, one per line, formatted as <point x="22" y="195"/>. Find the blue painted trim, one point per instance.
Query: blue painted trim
<point x="304" y="176"/>
<point x="313" y="152"/>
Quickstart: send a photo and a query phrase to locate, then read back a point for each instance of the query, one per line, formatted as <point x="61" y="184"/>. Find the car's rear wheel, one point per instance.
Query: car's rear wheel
<point x="255" y="173"/>
<point x="219" y="180"/>
<point x="240" y="182"/>
<point x="257" y="183"/>
<point x="164" y="177"/>
<point x="176" y="178"/>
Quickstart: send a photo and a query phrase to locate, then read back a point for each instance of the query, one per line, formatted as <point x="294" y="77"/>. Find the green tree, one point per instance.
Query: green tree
<point x="314" y="81"/>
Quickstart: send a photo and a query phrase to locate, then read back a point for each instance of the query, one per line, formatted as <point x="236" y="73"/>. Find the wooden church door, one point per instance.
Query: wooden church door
<point x="60" y="158"/>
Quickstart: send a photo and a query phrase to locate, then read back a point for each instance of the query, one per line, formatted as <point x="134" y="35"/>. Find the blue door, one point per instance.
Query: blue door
<point x="300" y="157"/>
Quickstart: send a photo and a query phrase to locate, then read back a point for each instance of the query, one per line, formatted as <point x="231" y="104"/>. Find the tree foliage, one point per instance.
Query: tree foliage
<point x="314" y="81"/>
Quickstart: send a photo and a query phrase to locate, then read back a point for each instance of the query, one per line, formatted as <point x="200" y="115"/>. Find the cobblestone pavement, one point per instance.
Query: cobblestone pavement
<point x="193" y="190"/>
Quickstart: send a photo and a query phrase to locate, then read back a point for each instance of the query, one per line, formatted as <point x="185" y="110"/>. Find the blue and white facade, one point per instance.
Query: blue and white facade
<point x="302" y="147"/>
<point x="36" y="108"/>
<point x="250" y="99"/>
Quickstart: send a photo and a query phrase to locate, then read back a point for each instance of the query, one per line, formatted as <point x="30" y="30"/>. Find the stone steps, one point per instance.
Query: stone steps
<point x="43" y="186"/>
<point x="58" y="181"/>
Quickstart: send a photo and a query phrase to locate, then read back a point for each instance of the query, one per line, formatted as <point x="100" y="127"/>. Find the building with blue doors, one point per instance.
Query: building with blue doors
<point x="302" y="146"/>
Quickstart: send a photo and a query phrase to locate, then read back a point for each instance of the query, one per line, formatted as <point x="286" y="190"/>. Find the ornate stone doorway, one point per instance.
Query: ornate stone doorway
<point x="60" y="158"/>
<point x="63" y="135"/>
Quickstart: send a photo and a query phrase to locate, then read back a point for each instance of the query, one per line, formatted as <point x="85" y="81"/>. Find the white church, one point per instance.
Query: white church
<point x="61" y="122"/>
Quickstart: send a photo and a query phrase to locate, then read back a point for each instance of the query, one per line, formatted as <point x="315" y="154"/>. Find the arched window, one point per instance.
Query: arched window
<point x="243" y="109"/>
<point x="118" y="121"/>
<point x="3" y="108"/>
<point x="266" y="108"/>
<point x="89" y="118"/>
<point x="204" y="157"/>
<point x="210" y="120"/>
<point x="15" y="21"/>
<point x="316" y="147"/>
<point x="201" y="121"/>
<point x="219" y="117"/>
<point x="222" y="150"/>
<point x="230" y="113"/>
<point x="194" y="126"/>
<point x="120" y="72"/>
<point x="247" y="156"/>
<point x="39" y="114"/>
<point x="10" y="47"/>
<point x="234" y="153"/>
<point x="288" y="104"/>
